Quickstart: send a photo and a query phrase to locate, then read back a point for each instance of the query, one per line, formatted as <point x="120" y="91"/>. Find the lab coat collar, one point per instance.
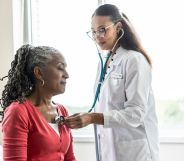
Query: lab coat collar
<point x="118" y="56"/>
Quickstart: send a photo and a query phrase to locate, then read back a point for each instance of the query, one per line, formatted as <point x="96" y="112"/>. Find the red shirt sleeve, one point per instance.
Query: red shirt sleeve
<point x="15" y="133"/>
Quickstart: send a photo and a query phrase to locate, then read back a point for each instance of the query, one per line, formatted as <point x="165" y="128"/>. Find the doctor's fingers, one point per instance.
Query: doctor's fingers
<point x="72" y="118"/>
<point x="78" y="121"/>
<point x="71" y="121"/>
<point x="74" y="115"/>
<point x="74" y="124"/>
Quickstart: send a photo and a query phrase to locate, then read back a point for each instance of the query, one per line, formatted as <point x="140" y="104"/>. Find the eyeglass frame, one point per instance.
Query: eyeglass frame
<point x="98" y="32"/>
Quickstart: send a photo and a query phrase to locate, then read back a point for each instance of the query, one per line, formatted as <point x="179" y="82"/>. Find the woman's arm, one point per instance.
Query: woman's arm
<point x="15" y="133"/>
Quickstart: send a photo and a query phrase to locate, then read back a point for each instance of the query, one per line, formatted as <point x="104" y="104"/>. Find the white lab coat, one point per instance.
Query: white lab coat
<point x="126" y="100"/>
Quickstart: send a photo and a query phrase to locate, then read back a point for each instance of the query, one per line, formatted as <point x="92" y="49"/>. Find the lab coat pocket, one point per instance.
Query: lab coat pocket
<point x="116" y="78"/>
<point x="116" y="87"/>
<point x="135" y="150"/>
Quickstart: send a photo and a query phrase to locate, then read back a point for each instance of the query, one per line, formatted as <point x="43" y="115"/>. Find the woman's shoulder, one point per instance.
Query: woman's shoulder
<point x="16" y="111"/>
<point x="16" y="107"/>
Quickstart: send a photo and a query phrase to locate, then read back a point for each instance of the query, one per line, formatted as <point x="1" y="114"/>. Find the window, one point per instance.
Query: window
<point x="63" y="25"/>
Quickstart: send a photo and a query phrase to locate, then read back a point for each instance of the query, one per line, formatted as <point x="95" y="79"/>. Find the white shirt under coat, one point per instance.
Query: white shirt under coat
<point x="126" y="100"/>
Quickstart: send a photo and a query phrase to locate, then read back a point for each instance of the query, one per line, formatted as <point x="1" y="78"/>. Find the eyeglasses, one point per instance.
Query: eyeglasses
<point x="100" y="32"/>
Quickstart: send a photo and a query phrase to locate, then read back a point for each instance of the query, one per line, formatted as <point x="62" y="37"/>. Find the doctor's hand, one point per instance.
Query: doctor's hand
<point x="80" y="120"/>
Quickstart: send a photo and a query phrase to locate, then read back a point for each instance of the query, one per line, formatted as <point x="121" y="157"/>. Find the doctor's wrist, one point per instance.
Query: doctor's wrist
<point x="97" y="118"/>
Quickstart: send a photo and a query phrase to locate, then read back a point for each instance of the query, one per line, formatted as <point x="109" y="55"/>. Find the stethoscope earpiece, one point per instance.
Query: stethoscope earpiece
<point x="122" y="33"/>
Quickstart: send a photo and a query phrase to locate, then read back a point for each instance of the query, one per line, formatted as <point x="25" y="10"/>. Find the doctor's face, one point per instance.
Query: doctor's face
<point x="104" y="32"/>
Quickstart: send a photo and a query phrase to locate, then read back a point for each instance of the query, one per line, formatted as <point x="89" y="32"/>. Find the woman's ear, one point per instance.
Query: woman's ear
<point x="38" y="73"/>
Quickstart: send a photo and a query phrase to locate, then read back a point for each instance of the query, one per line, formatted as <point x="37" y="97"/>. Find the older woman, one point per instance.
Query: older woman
<point x="31" y="128"/>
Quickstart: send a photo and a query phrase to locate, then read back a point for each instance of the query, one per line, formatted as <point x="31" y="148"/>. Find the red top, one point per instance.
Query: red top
<point x="27" y="136"/>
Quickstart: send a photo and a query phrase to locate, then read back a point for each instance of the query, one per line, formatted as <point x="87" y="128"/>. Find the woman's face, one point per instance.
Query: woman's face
<point x="104" y="32"/>
<point x="55" y="75"/>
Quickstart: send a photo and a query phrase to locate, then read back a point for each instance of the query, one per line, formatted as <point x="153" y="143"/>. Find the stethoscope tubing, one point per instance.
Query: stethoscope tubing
<point x="102" y="73"/>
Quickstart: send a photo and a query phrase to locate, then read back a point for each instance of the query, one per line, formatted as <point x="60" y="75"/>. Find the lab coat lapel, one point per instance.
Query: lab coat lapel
<point x="116" y="60"/>
<point x="108" y="71"/>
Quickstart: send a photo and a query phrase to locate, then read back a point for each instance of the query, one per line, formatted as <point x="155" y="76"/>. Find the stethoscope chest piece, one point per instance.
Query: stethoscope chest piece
<point x="59" y="119"/>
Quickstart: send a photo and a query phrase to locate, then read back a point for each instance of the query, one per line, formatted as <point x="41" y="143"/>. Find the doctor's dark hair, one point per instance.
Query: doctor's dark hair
<point x="21" y="79"/>
<point x="129" y="40"/>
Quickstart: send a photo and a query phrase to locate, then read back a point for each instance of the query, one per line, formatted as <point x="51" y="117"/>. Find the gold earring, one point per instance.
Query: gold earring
<point x="42" y="83"/>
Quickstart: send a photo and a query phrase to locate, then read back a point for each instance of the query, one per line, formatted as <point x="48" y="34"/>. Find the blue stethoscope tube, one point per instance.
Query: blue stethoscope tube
<point x="103" y="70"/>
<point x="102" y="74"/>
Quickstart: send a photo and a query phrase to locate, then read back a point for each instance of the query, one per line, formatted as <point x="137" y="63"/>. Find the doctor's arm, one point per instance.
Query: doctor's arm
<point x="80" y="120"/>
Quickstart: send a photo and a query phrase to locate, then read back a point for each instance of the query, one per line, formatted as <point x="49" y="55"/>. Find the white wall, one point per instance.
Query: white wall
<point x="6" y="40"/>
<point x="83" y="150"/>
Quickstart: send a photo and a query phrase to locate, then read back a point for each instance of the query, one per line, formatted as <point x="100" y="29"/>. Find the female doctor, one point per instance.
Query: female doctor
<point x="124" y="117"/>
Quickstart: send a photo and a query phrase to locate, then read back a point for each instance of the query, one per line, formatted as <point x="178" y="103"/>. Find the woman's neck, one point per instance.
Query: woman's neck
<point x="40" y="100"/>
<point x="45" y="105"/>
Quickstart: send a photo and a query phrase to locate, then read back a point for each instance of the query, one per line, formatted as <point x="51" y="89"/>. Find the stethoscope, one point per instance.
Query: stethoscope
<point x="103" y="70"/>
<point x="101" y="79"/>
